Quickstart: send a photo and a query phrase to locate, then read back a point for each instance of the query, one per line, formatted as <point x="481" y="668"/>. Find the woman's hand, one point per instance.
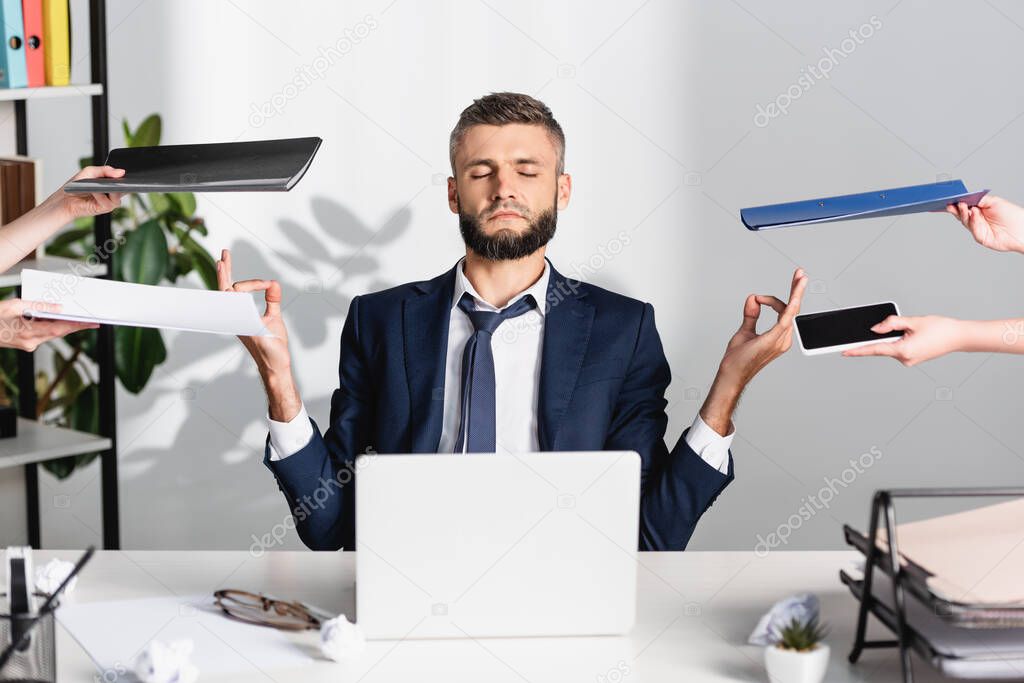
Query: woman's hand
<point x="72" y="206"/>
<point x="21" y="236"/>
<point x="924" y="338"/>
<point x="995" y="222"/>
<point x="20" y="332"/>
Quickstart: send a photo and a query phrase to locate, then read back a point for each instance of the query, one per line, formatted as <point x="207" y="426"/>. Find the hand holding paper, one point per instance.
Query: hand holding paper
<point x="93" y="300"/>
<point x="17" y="332"/>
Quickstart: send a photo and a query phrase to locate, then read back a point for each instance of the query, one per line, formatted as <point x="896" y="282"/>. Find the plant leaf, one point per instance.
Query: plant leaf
<point x="199" y="225"/>
<point x="143" y="257"/>
<point x="186" y="202"/>
<point x="9" y="368"/>
<point x="137" y="350"/>
<point x="181" y="264"/>
<point x="802" y="635"/>
<point x="159" y="202"/>
<point x="203" y="263"/>
<point x="71" y="385"/>
<point x="61" y="467"/>
<point x="148" y="132"/>
<point x="84" y="413"/>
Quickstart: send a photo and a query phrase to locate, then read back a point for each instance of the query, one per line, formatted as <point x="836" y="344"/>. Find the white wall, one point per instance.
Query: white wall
<point x="658" y="101"/>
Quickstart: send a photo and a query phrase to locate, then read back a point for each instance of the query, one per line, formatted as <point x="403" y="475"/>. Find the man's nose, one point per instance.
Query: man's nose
<point x="505" y="187"/>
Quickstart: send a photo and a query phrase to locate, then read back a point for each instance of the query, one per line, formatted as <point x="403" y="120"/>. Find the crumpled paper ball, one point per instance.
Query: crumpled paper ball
<point x="52" y="574"/>
<point x="803" y="607"/>
<point x="341" y="640"/>
<point x="161" y="662"/>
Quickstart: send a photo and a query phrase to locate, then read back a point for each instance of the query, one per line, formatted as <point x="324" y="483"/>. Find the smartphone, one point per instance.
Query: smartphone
<point x="843" y="328"/>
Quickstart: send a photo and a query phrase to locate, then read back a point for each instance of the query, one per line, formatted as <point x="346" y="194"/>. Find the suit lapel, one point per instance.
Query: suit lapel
<point x="567" y="325"/>
<point x="425" y="321"/>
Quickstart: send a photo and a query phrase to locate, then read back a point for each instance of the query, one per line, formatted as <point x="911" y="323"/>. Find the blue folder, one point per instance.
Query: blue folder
<point x="893" y="202"/>
<point x="13" y="73"/>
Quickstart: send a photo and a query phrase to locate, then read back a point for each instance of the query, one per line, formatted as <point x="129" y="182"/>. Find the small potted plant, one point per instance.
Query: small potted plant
<point x="799" y="656"/>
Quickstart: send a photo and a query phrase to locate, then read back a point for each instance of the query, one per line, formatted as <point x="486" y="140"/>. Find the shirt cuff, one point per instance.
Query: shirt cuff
<point x="712" y="447"/>
<point x="288" y="438"/>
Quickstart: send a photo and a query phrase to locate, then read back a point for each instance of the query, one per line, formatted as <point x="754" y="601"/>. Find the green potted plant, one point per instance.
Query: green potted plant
<point x="799" y="656"/>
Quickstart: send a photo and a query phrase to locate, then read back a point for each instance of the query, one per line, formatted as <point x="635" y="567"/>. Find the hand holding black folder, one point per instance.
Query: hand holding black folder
<point x="260" y="166"/>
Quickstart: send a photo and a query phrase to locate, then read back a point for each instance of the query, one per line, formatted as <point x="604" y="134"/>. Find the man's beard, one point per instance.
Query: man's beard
<point x="506" y="244"/>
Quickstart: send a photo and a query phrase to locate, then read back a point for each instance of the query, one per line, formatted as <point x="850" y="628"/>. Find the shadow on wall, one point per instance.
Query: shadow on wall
<point x="208" y="477"/>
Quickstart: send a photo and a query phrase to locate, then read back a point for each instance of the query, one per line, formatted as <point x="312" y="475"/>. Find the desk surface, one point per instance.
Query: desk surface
<point x="695" y="611"/>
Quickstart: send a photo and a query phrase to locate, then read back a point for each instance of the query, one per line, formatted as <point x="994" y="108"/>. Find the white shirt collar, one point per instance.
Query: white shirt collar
<point x="538" y="289"/>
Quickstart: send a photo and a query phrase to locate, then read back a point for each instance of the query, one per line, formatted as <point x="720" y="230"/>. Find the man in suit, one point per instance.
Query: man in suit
<point x="502" y="353"/>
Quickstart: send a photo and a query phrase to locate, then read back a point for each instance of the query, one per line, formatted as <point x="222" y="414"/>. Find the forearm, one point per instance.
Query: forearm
<point x="283" y="400"/>
<point x="992" y="336"/>
<point x="720" y="404"/>
<point x="22" y="235"/>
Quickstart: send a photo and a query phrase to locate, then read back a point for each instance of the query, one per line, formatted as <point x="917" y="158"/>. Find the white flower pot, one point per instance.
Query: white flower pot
<point x="792" y="666"/>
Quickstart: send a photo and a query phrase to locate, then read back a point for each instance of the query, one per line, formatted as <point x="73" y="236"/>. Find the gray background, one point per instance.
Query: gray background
<point x="658" y="101"/>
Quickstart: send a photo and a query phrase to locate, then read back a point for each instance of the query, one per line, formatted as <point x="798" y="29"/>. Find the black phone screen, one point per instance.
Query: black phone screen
<point x="844" y="326"/>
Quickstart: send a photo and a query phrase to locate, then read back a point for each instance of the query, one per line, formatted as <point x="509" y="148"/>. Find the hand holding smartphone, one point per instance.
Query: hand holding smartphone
<point x="843" y="328"/>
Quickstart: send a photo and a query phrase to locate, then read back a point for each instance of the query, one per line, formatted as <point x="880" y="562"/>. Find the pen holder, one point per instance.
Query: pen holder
<point x="37" y="663"/>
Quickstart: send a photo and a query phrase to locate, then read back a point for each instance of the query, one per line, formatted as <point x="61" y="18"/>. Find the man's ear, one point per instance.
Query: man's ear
<point x="564" y="190"/>
<point x="453" y="195"/>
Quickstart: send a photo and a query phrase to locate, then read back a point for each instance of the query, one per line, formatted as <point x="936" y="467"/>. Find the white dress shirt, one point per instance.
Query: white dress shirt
<point x="516" y="346"/>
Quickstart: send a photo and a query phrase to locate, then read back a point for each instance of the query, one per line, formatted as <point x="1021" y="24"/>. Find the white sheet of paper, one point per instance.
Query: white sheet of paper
<point x="87" y="299"/>
<point x="112" y="634"/>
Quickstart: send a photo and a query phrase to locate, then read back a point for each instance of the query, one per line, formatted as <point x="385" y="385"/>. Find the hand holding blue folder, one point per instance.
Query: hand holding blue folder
<point x="892" y="202"/>
<point x="995" y="223"/>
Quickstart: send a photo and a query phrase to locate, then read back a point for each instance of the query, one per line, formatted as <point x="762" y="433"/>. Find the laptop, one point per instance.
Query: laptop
<point x="488" y="545"/>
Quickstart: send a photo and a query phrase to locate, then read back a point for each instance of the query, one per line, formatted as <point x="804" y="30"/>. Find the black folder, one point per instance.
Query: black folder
<point x="259" y="166"/>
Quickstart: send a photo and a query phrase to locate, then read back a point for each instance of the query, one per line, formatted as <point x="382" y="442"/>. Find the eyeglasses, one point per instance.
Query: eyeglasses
<point x="256" y="608"/>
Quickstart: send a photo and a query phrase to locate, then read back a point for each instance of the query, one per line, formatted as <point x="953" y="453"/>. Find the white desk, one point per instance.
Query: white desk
<point x="695" y="611"/>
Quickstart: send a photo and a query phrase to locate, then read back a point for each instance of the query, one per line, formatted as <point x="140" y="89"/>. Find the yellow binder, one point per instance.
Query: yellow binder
<point x="57" y="42"/>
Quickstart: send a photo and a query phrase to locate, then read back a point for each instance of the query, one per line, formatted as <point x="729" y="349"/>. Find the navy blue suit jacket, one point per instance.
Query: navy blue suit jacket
<point x="602" y="385"/>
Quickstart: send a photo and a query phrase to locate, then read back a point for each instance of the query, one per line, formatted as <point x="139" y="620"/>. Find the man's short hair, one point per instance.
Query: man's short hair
<point x="501" y="108"/>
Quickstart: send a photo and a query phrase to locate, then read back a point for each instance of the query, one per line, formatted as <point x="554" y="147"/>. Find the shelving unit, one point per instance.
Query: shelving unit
<point x="11" y="94"/>
<point x="35" y="442"/>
